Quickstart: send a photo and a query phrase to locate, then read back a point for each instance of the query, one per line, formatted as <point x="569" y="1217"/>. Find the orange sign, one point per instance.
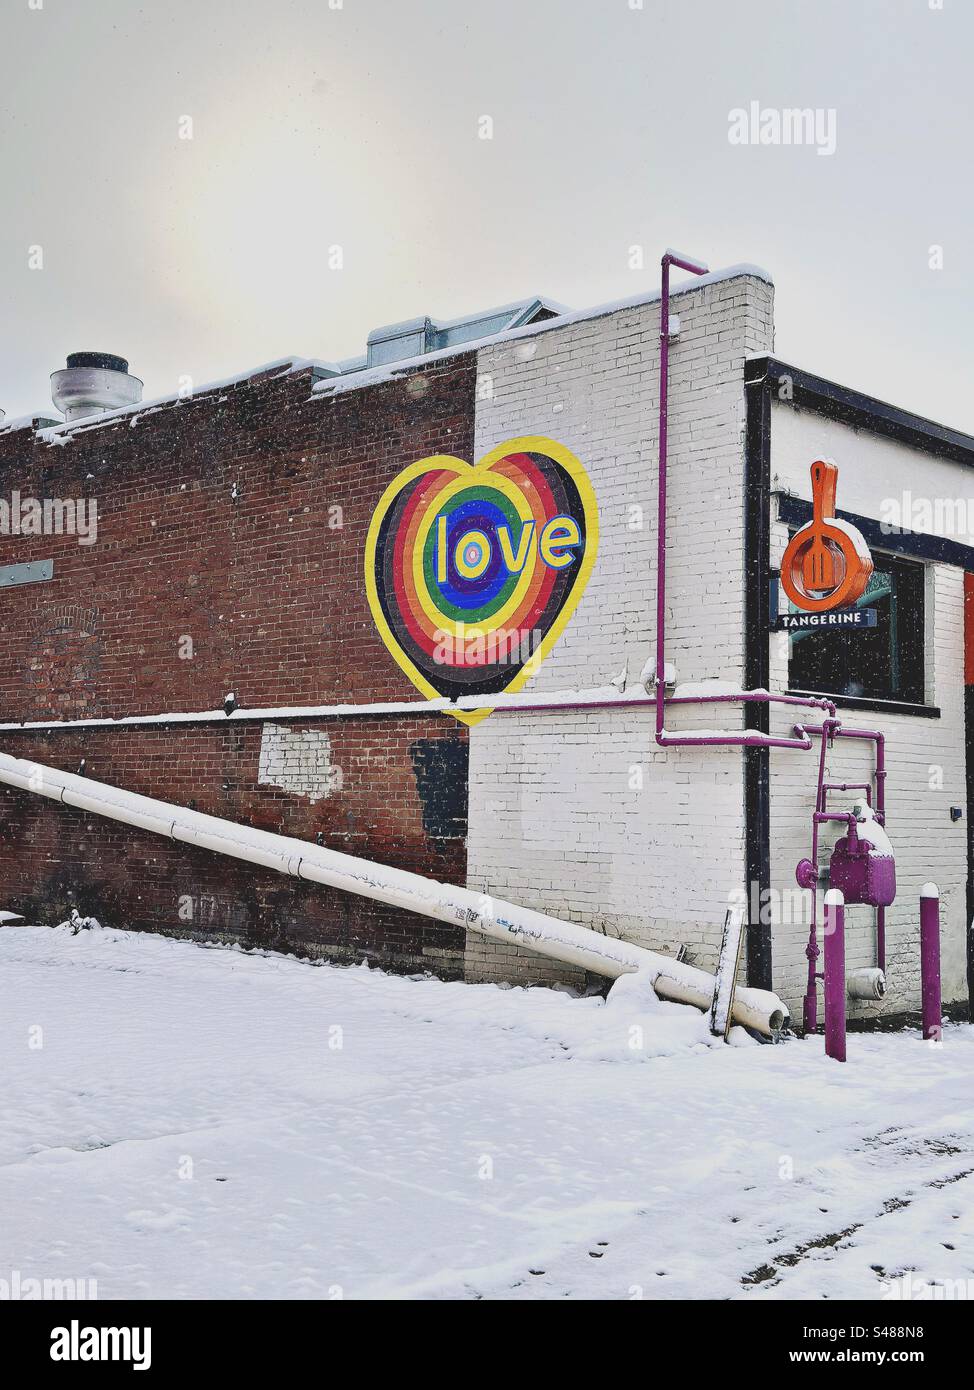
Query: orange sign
<point x="827" y="563"/>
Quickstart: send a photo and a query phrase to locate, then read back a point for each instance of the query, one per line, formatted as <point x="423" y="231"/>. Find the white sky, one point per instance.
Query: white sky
<point x="358" y="126"/>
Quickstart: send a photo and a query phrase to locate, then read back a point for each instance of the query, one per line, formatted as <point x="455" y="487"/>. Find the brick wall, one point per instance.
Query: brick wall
<point x="222" y="564"/>
<point x="215" y="524"/>
<point x="582" y="814"/>
<point x="55" y="858"/>
<point x="219" y="566"/>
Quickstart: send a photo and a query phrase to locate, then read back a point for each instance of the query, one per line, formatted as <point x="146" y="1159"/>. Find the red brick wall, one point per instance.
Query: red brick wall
<point x="271" y="595"/>
<point x="213" y="525"/>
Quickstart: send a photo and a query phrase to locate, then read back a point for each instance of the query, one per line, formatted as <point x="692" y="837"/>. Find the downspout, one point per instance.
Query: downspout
<point x="716" y="739"/>
<point x="694" y="268"/>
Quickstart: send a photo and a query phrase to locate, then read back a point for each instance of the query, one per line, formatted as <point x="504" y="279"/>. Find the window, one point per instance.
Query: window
<point x="884" y="662"/>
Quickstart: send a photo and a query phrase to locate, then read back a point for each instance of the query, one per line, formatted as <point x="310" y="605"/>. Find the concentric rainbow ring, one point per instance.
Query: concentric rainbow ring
<point x="456" y="579"/>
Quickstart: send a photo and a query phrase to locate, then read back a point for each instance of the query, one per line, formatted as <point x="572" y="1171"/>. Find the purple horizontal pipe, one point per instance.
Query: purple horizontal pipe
<point x="743" y="697"/>
<point x="746" y="697"/>
<point x="850" y="787"/>
<point x="754" y="739"/>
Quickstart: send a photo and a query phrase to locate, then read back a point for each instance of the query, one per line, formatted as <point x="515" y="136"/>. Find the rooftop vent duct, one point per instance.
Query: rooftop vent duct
<point x="92" y="383"/>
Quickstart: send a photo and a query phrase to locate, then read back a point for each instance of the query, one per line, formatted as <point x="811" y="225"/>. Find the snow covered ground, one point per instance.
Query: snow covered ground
<point x="198" y="1122"/>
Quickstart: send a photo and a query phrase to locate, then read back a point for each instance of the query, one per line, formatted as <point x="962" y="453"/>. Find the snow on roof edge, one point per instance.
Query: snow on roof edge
<point x="28" y="421"/>
<point x="282" y="366"/>
<point x="334" y="386"/>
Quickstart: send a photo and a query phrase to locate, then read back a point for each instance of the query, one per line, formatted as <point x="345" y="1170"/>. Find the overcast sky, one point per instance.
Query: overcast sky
<point x="358" y="125"/>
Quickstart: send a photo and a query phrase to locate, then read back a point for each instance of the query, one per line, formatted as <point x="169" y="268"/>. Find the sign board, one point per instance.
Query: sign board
<point x="842" y="618"/>
<point x="826" y="564"/>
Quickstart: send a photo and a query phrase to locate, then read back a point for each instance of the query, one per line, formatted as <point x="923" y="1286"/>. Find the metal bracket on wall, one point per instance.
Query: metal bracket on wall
<point x="30" y="573"/>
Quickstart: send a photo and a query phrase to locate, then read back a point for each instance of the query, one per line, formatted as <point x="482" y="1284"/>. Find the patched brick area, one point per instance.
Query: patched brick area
<point x="298" y="761"/>
<point x="55" y="858"/>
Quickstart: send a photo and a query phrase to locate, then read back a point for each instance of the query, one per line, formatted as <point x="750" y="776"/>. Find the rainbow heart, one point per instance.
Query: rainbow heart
<point x="473" y="570"/>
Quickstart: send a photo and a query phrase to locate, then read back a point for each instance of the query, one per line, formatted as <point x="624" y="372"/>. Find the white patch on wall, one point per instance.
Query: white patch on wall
<point x="298" y="761"/>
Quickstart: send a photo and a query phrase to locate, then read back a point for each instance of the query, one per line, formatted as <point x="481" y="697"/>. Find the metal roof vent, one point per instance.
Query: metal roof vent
<point x="92" y="383"/>
<point x="396" y="342"/>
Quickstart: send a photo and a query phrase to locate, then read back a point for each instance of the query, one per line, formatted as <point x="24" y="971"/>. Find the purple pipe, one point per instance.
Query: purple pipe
<point x="742" y="697"/>
<point x="810" y="1005"/>
<point x="694" y="268"/>
<point x="835" y="986"/>
<point x="851" y="787"/>
<point x="745" y="739"/>
<point x="754" y="697"/>
<point x="879" y="811"/>
<point x="930" y="961"/>
<point x="880" y="773"/>
<point x="742" y="740"/>
<point x="753" y="739"/>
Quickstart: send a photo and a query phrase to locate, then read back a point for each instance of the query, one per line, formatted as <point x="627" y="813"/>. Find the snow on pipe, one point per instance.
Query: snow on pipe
<point x="518" y="926"/>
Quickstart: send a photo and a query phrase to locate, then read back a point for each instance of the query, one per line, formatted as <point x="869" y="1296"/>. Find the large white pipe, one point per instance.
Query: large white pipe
<point x="519" y="926"/>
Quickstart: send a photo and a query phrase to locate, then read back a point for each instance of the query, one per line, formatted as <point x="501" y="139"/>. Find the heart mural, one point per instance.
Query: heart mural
<point x="473" y="570"/>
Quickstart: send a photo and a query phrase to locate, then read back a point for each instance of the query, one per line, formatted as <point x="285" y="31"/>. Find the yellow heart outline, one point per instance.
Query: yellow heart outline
<point x="526" y="444"/>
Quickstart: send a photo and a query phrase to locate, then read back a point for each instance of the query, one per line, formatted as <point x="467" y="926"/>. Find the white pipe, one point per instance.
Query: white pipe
<point x="866" y="984"/>
<point x="519" y="926"/>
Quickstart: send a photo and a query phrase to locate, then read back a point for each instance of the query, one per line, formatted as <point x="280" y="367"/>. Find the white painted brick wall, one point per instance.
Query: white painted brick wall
<point x="927" y="844"/>
<point x="557" y="818"/>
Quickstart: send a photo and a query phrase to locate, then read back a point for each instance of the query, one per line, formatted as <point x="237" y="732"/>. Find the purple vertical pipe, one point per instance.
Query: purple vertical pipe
<point x="810" y="1006"/>
<point x="695" y="268"/>
<point x="835" y="987"/>
<point x="930" y="961"/>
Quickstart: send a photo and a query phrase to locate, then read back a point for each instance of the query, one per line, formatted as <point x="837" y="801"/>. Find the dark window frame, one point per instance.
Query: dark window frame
<point x="902" y="692"/>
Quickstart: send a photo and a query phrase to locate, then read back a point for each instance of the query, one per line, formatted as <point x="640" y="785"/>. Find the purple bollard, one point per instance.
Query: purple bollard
<point x="930" y="961"/>
<point x="835" y="988"/>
